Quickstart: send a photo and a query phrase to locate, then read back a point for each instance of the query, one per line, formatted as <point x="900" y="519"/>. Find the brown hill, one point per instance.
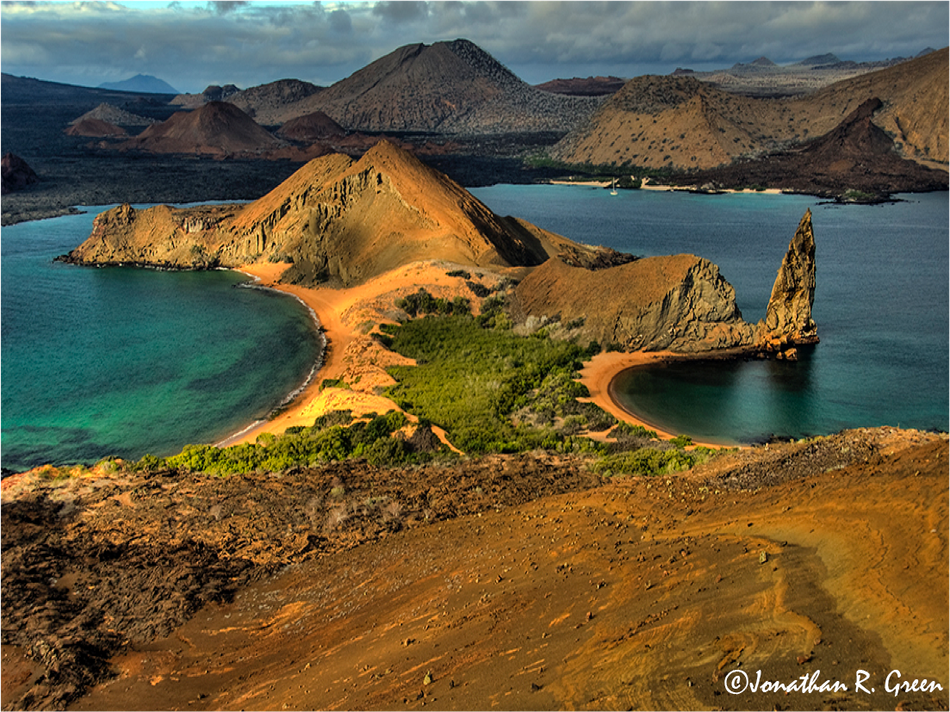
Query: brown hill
<point x="312" y="127"/>
<point x="114" y="115"/>
<point x="855" y="158"/>
<point x="675" y="303"/>
<point x="16" y="173"/>
<point x="337" y="220"/>
<point x="448" y="87"/>
<point x="94" y="127"/>
<point x="217" y="128"/>
<point x="681" y="123"/>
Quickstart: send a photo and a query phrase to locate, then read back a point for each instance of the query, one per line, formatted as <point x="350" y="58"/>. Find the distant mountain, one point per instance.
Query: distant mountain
<point x="854" y="156"/>
<point x="217" y="128"/>
<point x="447" y="87"/>
<point x="261" y="101"/>
<point x="144" y="83"/>
<point x="591" y="86"/>
<point x="212" y="93"/>
<point x="820" y="60"/>
<point x="763" y="77"/>
<point x="682" y="123"/>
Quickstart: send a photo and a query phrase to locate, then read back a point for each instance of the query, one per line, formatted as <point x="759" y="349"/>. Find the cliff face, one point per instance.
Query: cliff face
<point x="334" y="220"/>
<point x="788" y="319"/>
<point x="679" y="303"/>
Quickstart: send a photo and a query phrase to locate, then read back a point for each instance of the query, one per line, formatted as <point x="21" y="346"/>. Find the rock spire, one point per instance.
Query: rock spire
<point x="788" y="321"/>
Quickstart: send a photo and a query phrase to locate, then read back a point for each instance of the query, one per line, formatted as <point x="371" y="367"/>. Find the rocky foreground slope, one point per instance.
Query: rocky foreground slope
<point x="513" y="581"/>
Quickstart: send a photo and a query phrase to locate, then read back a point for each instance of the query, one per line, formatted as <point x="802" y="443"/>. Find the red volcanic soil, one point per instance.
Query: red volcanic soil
<point x="217" y="128"/>
<point x="512" y="582"/>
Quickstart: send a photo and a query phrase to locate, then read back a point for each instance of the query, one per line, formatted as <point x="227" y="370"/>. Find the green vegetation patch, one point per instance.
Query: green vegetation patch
<point x="334" y="436"/>
<point x="652" y="461"/>
<point x="473" y="375"/>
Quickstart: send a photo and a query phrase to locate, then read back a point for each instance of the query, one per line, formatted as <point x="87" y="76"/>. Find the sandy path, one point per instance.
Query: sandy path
<point x="351" y="354"/>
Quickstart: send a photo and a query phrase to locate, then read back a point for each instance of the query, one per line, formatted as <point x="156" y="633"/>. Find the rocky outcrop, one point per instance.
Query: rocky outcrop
<point x="678" y="303"/>
<point x="212" y="93"/>
<point x="788" y="321"/>
<point x="335" y="220"/>
<point x="17" y="174"/>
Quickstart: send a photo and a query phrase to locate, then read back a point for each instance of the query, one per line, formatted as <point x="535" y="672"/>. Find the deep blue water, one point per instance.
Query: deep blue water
<point x="881" y="305"/>
<point x="124" y="361"/>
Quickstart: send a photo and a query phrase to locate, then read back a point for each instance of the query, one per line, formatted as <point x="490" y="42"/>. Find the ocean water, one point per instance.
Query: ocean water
<point x="124" y="361"/>
<point x="881" y="305"/>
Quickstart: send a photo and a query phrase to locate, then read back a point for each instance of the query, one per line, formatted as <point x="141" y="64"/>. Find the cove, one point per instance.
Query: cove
<point x="123" y="361"/>
<point x="881" y="305"/>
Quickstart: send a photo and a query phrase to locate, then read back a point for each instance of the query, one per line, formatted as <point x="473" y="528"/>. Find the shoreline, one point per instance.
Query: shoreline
<point x="600" y="373"/>
<point x="329" y="364"/>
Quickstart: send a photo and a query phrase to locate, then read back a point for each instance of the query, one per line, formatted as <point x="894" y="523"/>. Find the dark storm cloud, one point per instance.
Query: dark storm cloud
<point x="191" y="45"/>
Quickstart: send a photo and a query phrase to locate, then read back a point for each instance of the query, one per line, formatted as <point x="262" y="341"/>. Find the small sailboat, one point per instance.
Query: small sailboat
<point x="613" y="186"/>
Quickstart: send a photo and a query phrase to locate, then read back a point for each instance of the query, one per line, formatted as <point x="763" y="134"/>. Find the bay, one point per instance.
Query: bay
<point x="881" y="305"/>
<point x="122" y="361"/>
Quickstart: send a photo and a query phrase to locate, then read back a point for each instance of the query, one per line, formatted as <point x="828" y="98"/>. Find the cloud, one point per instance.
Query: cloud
<point x="224" y="7"/>
<point x="193" y="44"/>
<point x="400" y="12"/>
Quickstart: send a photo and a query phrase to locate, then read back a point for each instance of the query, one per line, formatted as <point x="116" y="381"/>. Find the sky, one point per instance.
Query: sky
<point x="192" y="45"/>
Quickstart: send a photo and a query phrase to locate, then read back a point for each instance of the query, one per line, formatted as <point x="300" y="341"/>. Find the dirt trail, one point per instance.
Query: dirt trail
<point x="639" y="593"/>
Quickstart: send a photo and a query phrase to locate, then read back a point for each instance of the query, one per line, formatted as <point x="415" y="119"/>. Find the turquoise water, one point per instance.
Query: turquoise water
<point x="881" y="306"/>
<point x="123" y="361"/>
